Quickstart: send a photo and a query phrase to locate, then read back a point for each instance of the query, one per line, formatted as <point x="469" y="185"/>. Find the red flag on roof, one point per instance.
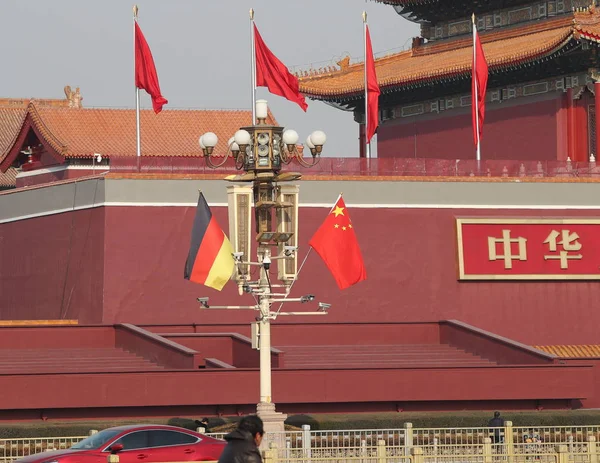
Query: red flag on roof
<point x="273" y="74"/>
<point x="145" y="70"/>
<point x="373" y="91"/>
<point x="479" y="86"/>
<point x="336" y="243"/>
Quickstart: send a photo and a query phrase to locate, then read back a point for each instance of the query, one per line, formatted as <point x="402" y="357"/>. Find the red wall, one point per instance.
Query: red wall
<point x="57" y="176"/>
<point x="527" y="132"/>
<point x="411" y="277"/>
<point x="52" y="267"/>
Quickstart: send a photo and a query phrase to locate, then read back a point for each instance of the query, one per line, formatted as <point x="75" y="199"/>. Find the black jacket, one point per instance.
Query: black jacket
<point x="240" y="448"/>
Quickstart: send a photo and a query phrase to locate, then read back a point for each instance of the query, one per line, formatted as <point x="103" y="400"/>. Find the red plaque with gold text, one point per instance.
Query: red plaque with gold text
<point x="528" y="249"/>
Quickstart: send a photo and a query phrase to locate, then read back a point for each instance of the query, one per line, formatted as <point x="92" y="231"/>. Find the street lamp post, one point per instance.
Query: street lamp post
<point x="260" y="151"/>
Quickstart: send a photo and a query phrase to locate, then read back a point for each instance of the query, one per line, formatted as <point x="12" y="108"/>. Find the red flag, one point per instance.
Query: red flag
<point x="479" y="86"/>
<point x="145" y="71"/>
<point x="373" y="91"/>
<point x="273" y="74"/>
<point x="336" y="243"/>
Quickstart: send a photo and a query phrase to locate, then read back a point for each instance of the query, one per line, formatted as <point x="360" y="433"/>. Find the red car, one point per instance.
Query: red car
<point x="148" y="443"/>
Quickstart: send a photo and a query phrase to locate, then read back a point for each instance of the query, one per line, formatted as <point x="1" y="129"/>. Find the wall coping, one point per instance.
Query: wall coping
<point x="156" y="338"/>
<point x="500" y="339"/>
<point x="237" y="336"/>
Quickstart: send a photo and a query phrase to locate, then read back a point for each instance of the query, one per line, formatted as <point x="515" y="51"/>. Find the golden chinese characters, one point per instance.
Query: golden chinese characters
<point x="568" y="242"/>
<point x="506" y="254"/>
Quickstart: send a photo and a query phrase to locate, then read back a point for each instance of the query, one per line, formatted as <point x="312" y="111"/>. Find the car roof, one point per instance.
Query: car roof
<point x="140" y="427"/>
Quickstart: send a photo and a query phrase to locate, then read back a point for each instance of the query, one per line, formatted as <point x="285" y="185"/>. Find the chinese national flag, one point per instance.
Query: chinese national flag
<point x="373" y="91"/>
<point x="336" y="243"/>
<point x="273" y="74"/>
<point x="145" y="71"/>
<point x="479" y="86"/>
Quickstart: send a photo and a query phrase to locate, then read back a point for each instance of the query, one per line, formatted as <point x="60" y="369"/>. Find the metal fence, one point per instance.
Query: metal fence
<point x="438" y="445"/>
<point x="399" y="167"/>
<point x="477" y="453"/>
<point x="13" y="449"/>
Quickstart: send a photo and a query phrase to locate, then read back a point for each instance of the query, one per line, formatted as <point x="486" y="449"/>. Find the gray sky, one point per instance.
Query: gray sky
<point x="201" y="49"/>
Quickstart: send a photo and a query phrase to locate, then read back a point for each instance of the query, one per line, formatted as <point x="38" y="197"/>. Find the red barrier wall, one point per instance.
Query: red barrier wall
<point x="241" y="386"/>
<point x="488" y="345"/>
<point x="57" y="337"/>
<point x="156" y="349"/>
<point x="525" y="132"/>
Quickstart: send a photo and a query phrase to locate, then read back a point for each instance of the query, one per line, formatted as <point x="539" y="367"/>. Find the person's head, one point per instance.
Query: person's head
<point x="254" y="425"/>
<point x="496" y="414"/>
<point x="204" y="420"/>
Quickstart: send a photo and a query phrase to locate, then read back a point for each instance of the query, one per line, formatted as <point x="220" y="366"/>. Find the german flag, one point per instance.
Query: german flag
<point x="210" y="260"/>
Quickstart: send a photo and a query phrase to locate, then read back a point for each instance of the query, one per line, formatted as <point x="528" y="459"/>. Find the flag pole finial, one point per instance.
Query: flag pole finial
<point x="135" y="11"/>
<point x="251" y="14"/>
<point x="364" y="16"/>
<point x="473" y="18"/>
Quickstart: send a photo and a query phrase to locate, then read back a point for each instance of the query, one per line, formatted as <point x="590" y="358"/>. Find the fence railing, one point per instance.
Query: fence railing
<point x="13" y="449"/>
<point x="400" y="167"/>
<point x="475" y="453"/>
<point x="440" y="442"/>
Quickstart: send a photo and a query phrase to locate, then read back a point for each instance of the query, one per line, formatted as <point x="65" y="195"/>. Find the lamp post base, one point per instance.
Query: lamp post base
<point x="273" y="423"/>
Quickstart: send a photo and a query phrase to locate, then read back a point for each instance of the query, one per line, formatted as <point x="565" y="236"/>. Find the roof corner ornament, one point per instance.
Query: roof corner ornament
<point x="73" y="97"/>
<point x="594" y="75"/>
<point x="344" y="63"/>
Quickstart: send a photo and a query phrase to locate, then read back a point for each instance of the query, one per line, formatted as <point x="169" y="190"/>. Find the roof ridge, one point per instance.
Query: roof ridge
<point x="495" y="35"/>
<point x="60" y="147"/>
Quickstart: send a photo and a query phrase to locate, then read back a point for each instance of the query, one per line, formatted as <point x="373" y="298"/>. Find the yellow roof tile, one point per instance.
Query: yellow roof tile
<point x="448" y="58"/>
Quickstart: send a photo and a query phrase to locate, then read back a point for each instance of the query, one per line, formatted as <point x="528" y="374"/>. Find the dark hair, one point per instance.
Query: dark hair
<point x="251" y="423"/>
<point x="496" y="414"/>
<point x="204" y="420"/>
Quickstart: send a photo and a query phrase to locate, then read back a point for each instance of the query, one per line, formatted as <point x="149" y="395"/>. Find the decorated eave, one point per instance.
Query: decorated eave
<point x="429" y="65"/>
<point x="431" y="11"/>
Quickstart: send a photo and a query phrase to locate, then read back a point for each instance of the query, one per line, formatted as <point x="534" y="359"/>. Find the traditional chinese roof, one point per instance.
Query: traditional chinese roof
<point x="572" y="350"/>
<point x="430" y="64"/>
<point x="8" y="179"/>
<point x="81" y="132"/>
<point x="435" y="10"/>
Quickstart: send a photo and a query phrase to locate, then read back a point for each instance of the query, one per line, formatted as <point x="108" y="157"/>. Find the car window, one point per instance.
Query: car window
<point x="98" y="440"/>
<point x="163" y="438"/>
<point x="134" y="440"/>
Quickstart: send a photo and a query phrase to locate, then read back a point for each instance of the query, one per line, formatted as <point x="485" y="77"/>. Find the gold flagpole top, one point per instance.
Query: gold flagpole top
<point x="364" y="16"/>
<point x="251" y="14"/>
<point x="135" y="11"/>
<point x="473" y="18"/>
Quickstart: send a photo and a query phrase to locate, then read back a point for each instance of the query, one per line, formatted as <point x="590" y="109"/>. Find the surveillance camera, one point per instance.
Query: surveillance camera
<point x="203" y="302"/>
<point x="238" y="255"/>
<point x="98" y="157"/>
<point x="266" y="262"/>
<point x="246" y="288"/>
<point x="289" y="250"/>
<point x="323" y="306"/>
<point x="307" y="298"/>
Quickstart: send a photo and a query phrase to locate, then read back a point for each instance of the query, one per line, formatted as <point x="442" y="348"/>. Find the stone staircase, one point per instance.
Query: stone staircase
<point x="72" y="360"/>
<point x="380" y="356"/>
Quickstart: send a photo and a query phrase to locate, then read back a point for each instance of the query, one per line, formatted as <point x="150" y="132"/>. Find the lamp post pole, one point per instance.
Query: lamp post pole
<point x="264" y="339"/>
<point x="260" y="151"/>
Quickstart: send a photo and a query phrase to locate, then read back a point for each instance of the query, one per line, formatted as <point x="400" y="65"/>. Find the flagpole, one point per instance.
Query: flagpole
<point x="367" y="144"/>
<point x="137" y="90"/>
<point x="253" y="66"/>
<point x="474" y="77"/>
